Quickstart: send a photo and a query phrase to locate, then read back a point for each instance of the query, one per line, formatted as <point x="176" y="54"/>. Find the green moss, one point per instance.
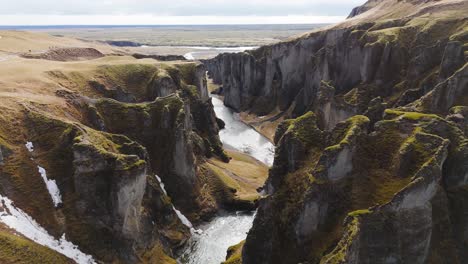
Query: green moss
<point x="338" y="255"/>
<point x="15" y="249"/>
<point x="352" y="97"/>
<point x="391" y="113"/>
<point x="455" y="110"/>
<point x="157" y="255"/>
<point x="360" y="212"/>
<point x="134" y="78"/>
<point x="376" y="181"/>
<point x="55" y="142"/>
<point x="305" y="129"/>
<point x="401" y="35"/>
<point x="344" y="132"/>
<point x="182" y="73"/>
<point x="234" y="255"/>
<point x="191" y="91"/>
<point x="188" y="71"/>
<point x="290" y="197"/>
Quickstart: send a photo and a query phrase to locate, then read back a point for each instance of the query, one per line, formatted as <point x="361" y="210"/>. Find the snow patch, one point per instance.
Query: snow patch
<point x="161" y="184"/>
<point x="29" y="146"/>
<point x="24" y="224"/>
<point x="179" y="214"/>
<point x="51" y="187"/>
<point x="186" y="222"/>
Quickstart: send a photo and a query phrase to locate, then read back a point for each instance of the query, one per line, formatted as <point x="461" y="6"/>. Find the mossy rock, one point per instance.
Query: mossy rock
<point x="133" y="78"/>
<point x="234" y="254"/>
<point x="414" y="116"/>
<point x="347" y="130"/>
<point x="157" y="255"/>
<point x="338" y="255"/>
<point x="304" y="128"/>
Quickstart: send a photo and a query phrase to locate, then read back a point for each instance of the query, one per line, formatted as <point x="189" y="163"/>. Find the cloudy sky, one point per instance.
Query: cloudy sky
<point x="96" y="12"/>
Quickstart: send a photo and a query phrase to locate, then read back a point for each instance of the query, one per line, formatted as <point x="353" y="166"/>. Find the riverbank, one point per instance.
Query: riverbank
<point x="252" y="154"/>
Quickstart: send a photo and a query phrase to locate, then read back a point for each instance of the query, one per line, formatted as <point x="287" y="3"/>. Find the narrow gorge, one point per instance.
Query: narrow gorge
<point x="371" y="147"/>
<point x="119" y="158"/>
<point x="347" y="144"/>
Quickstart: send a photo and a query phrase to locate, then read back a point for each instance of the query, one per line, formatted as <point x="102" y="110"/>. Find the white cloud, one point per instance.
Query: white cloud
<point x="179" y="7"/>
<point x="14" y="20"/>
<point x="33" y="12"/>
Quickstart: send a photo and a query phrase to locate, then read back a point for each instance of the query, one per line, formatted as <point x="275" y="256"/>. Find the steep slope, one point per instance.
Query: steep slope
<point x="103" y="151"/>
<point x="370" y="162"/>
<point x="396" y="52"/>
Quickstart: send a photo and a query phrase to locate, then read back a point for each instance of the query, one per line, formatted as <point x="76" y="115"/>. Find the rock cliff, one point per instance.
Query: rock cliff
<point x="398" y="51"/>
<point x="106" y="132"/>
<point x="370" y="162"/>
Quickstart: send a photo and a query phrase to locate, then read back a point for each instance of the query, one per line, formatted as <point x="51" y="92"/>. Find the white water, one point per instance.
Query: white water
<point x="211" y="246"/>
<point x="213" y="51"/>
<point x="242" y="137"/>
<point x="24" y="224"/>
<point x="227" y="230"/>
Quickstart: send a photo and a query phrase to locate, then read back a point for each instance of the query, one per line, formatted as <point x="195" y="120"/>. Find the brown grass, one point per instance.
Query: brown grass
<point x="243" y="174"/>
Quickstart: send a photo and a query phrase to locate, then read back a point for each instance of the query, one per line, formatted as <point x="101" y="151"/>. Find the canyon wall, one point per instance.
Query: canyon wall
<point x="371" y="158"/>
<point x="337" y="72"/>
<point x="107" y="135"/>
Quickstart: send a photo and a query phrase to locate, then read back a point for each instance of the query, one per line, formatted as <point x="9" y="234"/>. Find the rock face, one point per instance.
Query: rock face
<point x="112" y="205"/>
<point x="386" y="186"/>
<point x="4" y="153"/>
<point x="160" y="57"/>
<point x="337" y="72"/>
<point x="118" y="126"/>
<point x="178" y="129"/>
<point x="371" y="166"/>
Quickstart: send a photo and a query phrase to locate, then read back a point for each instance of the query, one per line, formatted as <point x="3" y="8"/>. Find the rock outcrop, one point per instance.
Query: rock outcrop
<point x="337" y="72"/>
<point x="390" y="187"/>
<point x="117" y="126"/>
<point x="371" y="159"/>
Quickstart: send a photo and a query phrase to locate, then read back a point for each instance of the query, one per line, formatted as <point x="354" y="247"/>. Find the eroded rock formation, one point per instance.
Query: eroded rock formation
<point x="371" y="159"/>
<point x="117" y="127"/>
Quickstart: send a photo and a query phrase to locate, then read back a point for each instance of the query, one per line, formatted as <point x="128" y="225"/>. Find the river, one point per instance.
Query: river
<point x="211" y="52"/>
<point x="228" y="229"/>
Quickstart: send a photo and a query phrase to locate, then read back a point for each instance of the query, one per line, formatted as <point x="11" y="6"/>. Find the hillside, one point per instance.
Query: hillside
<point x="371" y="143"/>
<point x="98" y="149"/>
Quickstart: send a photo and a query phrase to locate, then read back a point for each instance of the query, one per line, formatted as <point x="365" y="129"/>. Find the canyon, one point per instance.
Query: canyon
<point x="111" y="158"/>
<point x="347" y="144"/>
<point x="371" y="154"/>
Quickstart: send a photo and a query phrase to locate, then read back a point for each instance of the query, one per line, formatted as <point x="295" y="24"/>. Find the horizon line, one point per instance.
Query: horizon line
<point x="158" y="25"/>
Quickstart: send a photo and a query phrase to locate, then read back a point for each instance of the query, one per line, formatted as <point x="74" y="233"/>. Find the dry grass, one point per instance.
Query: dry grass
<point x="24" y="42"/>
<point x="17" y="249"/>
<point x="263" y="125"/>
<point x="243" y="174"/>
<point x="212" y="86"/>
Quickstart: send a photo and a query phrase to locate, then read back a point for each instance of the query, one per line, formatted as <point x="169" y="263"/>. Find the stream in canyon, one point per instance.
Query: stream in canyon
<point x="228" y="229"/>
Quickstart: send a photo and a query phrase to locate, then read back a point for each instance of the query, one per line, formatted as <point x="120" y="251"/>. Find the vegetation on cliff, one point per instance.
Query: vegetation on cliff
<point x="102" y="129"/>
<point x="370" y="160"/>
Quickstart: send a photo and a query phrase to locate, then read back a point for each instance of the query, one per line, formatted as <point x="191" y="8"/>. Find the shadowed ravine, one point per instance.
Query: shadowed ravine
<point x="228" y="229"/>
